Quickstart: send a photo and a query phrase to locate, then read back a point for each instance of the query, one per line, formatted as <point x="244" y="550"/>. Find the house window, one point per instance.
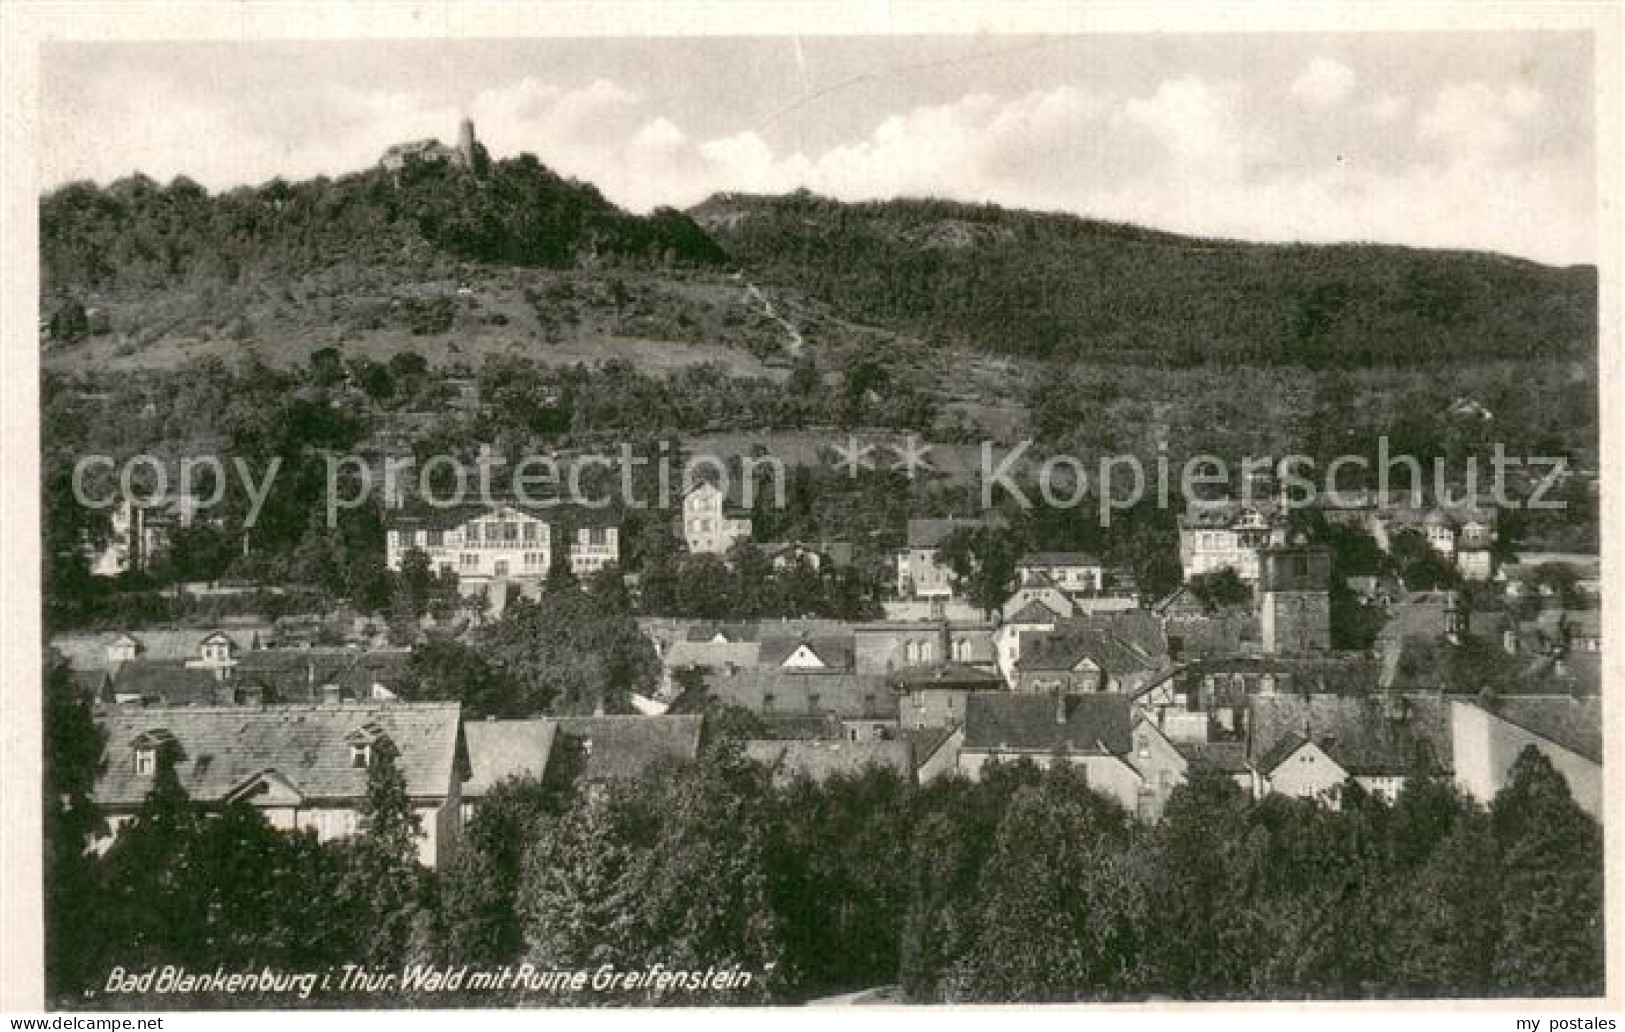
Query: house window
<point x="1144" y="746"/>
<point x="361" y="755"/>
<point x="812" y="702"/>
<point x="767" y="702"/>
<point x="468" y="560"/>
<point x="146" y="761"/>
<point x="436" y="538"/>
<point x="530" y="532"/>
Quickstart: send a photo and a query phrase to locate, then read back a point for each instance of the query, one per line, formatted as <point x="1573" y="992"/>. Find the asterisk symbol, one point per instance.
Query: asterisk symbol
<point x="911" y="456"/>
<point x="855" y="456"/>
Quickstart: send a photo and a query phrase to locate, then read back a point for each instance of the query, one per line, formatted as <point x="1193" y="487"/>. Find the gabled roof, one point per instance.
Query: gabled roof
<point x="847" y="695"/>
<point x="624" y="746"/>
<point x="1034" y="612"/>
<point x="742" y="655"/>
<point x="946" y="675"/>
<point x="222" y="747"/>
<point x="1574" y="724"/>
<point x="1219" y="757"/>
<point x="821" y="759"/>
<point x="1058" y="559"/>
<point x="833" y="650"/>
<point x="168" y="682"/>
<point x="1377" y="735"/>
<point x="502" y="749"/>
<point x="1096" y="723"/>
<point x="1065" y="649"/>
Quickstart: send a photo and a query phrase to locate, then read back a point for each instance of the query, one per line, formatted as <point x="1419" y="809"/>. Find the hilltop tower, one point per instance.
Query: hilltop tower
<point x="465" y="143"/>
<point x="1294" y="598"/>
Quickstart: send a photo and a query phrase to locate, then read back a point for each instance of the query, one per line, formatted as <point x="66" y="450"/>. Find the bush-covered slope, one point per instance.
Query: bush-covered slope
<point x="136" y="235"/>
<point x="1057" y="286"/>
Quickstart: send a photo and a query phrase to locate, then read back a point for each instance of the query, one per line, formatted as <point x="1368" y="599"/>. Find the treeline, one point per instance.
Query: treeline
<point x="137" y="234"/>
<point x="1057" y="286"/>
<point x="1022" y="887"/>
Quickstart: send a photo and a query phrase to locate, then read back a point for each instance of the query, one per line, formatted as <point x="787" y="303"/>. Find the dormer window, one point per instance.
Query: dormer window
<point x="147" y="746"/>
<point x="362" y="742"/>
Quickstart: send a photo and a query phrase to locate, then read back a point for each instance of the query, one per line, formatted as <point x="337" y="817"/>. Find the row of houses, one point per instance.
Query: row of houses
<point x="305" y="766"/>
<point x="1220" y="534"/>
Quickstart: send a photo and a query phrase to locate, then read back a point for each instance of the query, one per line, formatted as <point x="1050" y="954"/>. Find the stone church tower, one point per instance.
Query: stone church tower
<point x="465" y="143"/>
<point x="1294" y="607"/>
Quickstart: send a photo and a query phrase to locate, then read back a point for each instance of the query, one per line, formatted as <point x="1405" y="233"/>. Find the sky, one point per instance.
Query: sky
<point x="1464" y="140"/>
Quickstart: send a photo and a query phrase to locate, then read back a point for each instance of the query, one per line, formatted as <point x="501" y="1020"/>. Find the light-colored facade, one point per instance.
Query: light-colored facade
<point x="1487" y="741"/>
<point x="502" y="544"/>
<point x="709" y="525"/>
<point x="1214" y="538"/>
<point x="593" y="548"/>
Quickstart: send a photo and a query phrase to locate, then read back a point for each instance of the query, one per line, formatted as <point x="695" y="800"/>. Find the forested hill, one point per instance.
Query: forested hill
<point x="1057" y="286"/>
<point x="137" y="235"/>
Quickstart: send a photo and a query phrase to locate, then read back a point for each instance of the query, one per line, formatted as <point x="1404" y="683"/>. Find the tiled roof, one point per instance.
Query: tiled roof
<point x="502" y="749"/>
<point x="946" y="675"/>
<point x="743" y="655"/>
<point x="1221" y="757"/>
<point x="169" y="682"/>
<point x="925" y="741"/>
<point x="1380" y="735"/>
<point x="1065" y="649"/>
<point x="623" y="746"/>
<point x="1574" y="724"/>
<point x="834" y="650"/>
<point x="823" y="759"/>
<point x="845" y="695"/>
<point x="1034" y="612"/>
<point x="223" y="747"/>
<point x="1004" y="721"/>
<point x="1053" y="559"/>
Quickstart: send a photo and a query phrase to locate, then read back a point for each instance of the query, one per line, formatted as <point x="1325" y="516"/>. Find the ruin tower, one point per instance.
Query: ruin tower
<point x="465" y="143"/>
<point x="1294" y="598"/>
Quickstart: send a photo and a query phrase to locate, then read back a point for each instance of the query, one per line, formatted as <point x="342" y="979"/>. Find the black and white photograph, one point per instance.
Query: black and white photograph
<point x="942" y="513"/>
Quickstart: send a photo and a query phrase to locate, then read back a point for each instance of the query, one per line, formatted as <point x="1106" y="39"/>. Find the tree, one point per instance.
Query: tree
<point x="1219" y="588"/>
<point x="1551" y="934"/>
<point x="380" y="889"/>
<point x="479" y="893"/>
<point x="1058" y="912"/>
<point x="983" y="564"/>
<point x="71" y="756"/>
<point x="150" y="915"/>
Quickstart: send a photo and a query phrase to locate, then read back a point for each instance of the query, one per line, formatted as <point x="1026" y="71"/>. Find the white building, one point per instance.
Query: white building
<point x="710" y="524"/>
<point x="504" y="544"/>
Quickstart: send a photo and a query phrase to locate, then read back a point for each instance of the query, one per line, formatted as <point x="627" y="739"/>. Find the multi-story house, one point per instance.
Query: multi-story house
<point x="300" y="766"/>
<point x="921" y="574"/>
<point x="710" y="525"/>
<point x="592" y="548"/>
<point x="1073" y="572"/>
<point x="508" y="543"/>
<point x="1213" y="536"/>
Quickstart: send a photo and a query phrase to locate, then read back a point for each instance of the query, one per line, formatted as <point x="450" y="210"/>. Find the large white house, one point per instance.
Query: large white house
<point x="710" y="524"/>
<point x="505" y="543"/>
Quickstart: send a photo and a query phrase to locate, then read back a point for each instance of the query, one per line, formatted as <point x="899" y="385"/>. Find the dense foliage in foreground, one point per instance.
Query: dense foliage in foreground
<point x="1025" y="886"/>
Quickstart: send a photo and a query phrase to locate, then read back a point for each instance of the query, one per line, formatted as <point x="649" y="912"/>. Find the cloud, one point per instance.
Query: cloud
<point x="1324" y="82"/>
<point x="1474" y="120"/>
<point x="1187" y="153"/>
<point x="1387" y="108"/>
